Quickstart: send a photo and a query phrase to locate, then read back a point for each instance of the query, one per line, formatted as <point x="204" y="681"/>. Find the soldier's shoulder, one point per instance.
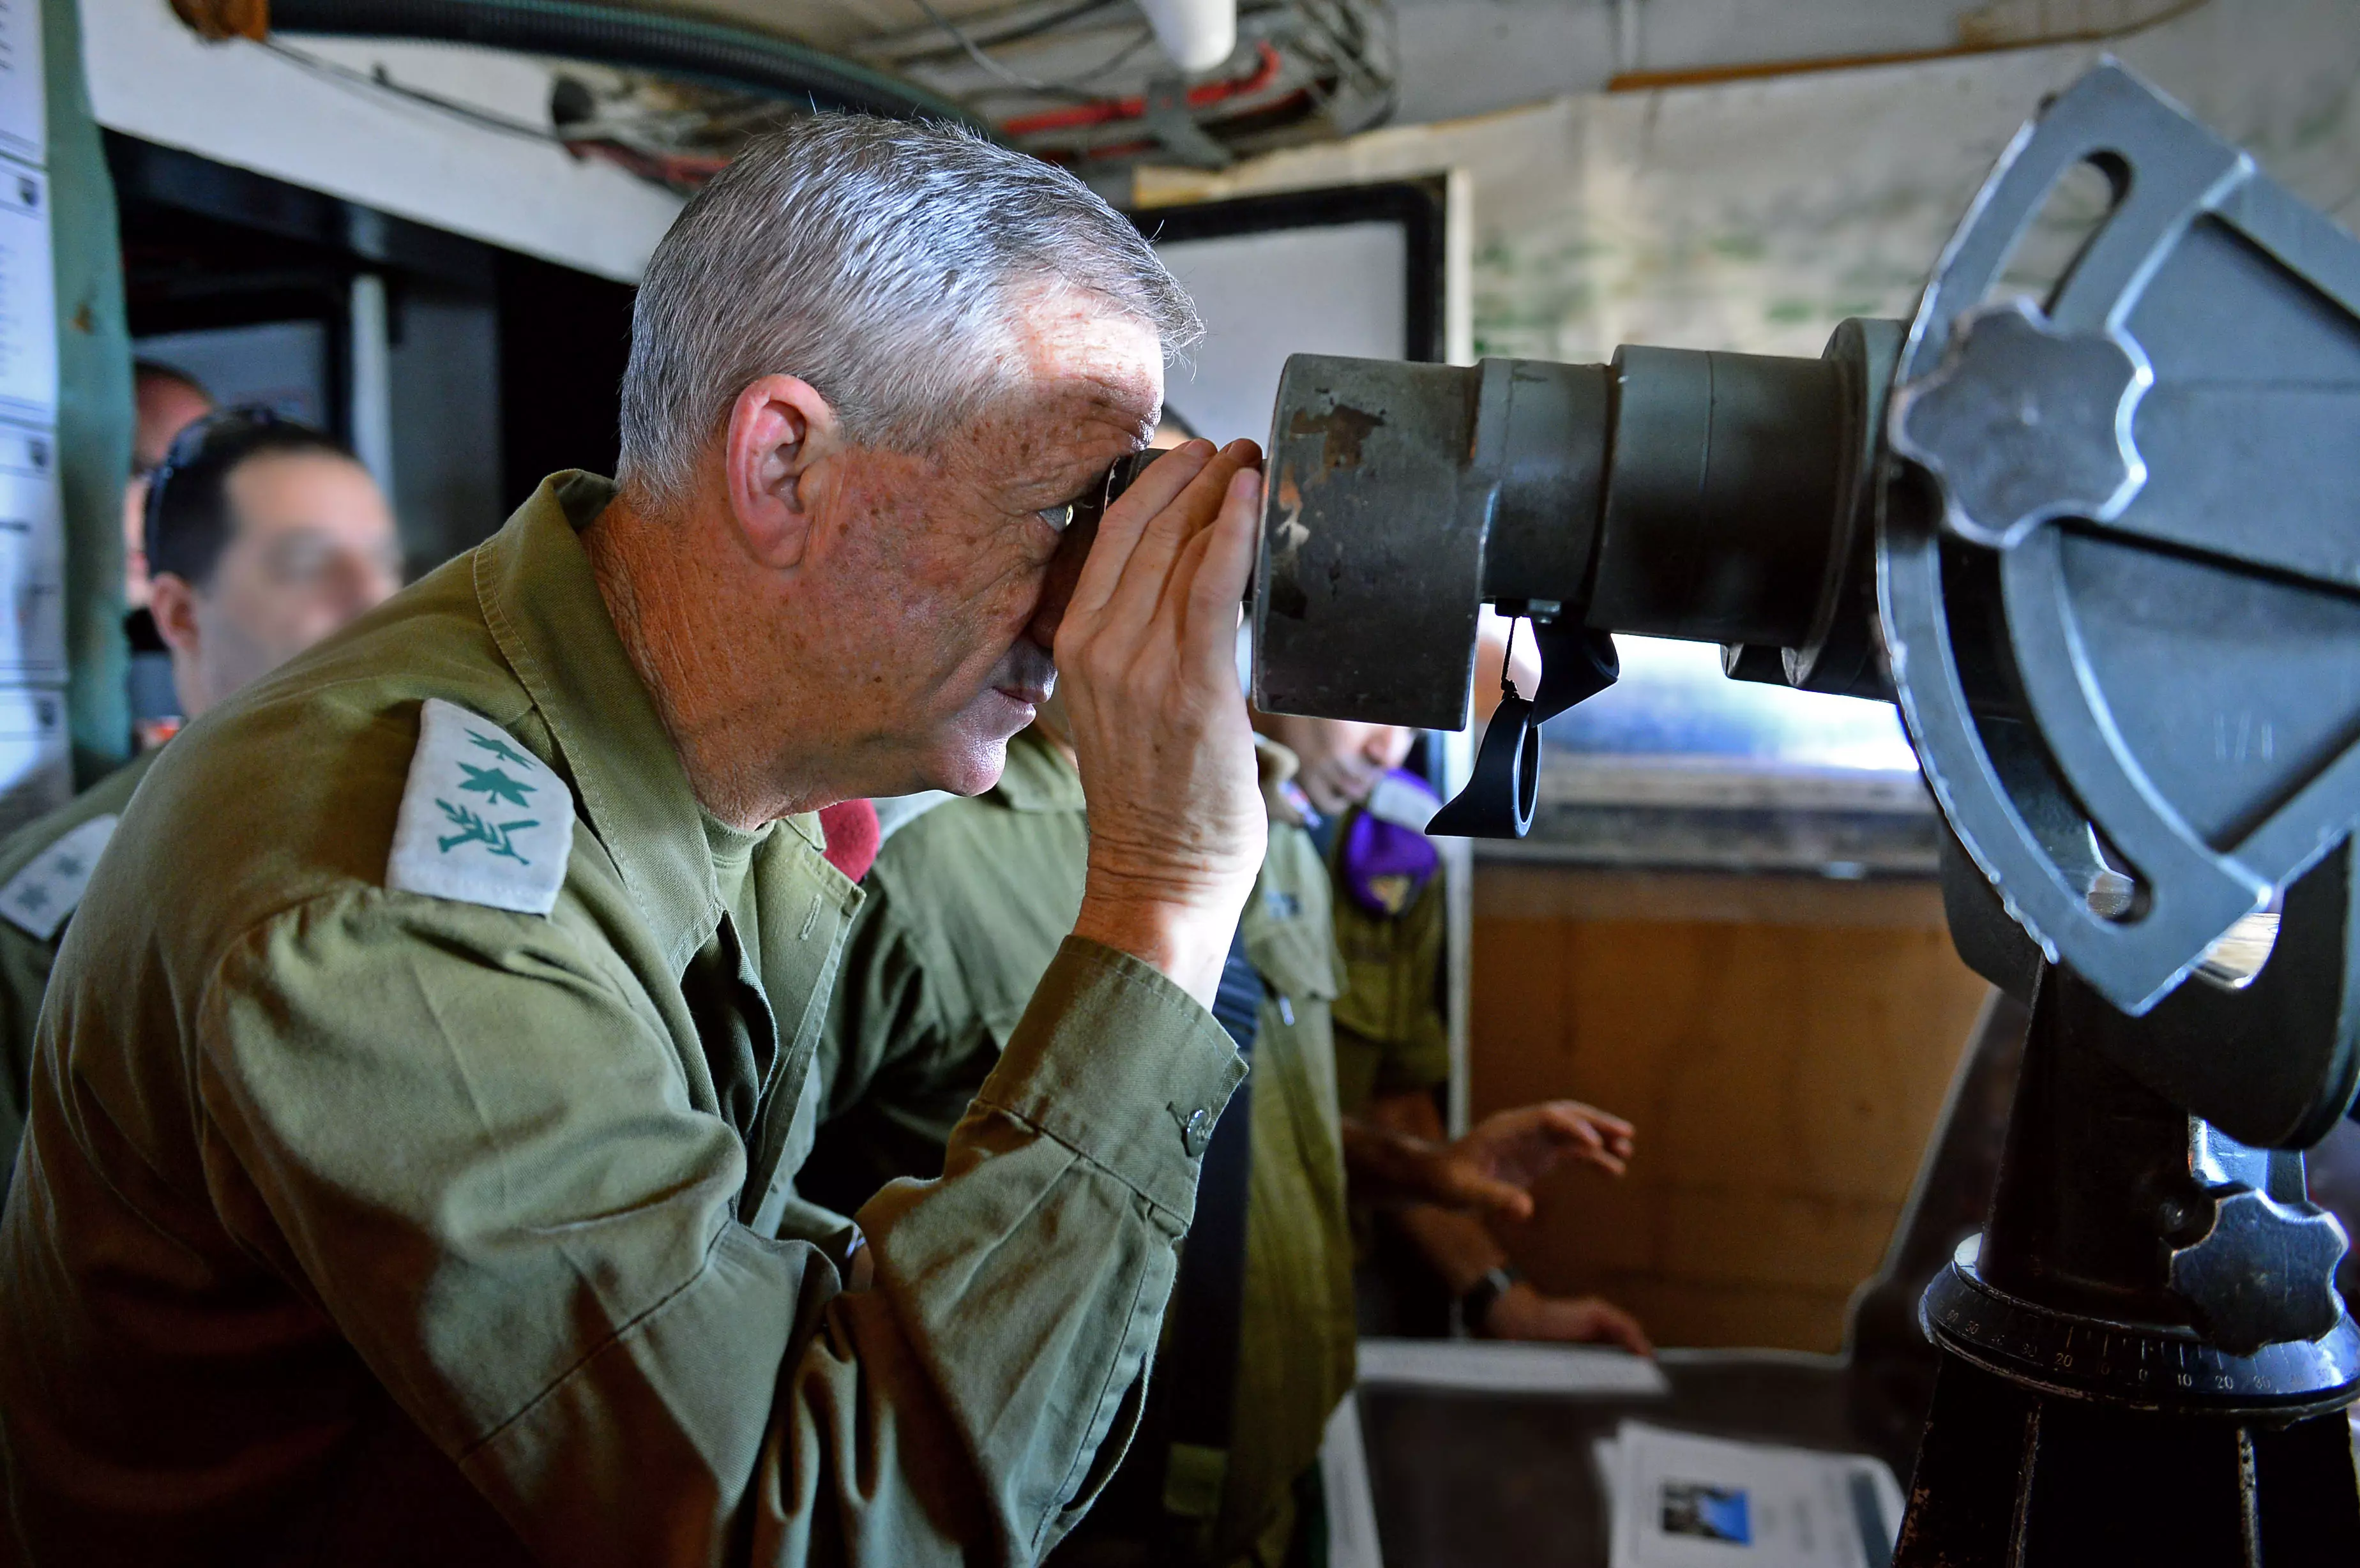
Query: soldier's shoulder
<point x="294" y="788"/>
<point x="46" y="863"/>
<point x="939" y="854"/>
<point x="981" y="890"/>
<point x="939" y="846"/>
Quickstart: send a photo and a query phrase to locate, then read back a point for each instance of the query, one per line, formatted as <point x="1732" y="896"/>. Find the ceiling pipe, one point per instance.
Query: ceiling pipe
<point x="1197" y="34"/>
<point x="611" y="35"/>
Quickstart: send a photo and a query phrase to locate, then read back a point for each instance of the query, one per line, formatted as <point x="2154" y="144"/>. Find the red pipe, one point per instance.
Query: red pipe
<point x="1203" y="95"/>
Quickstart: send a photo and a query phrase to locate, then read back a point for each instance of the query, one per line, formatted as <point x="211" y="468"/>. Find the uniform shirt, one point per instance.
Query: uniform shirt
<point x="1390" y="1037"/>
<point x="358" y="1225"/>
<point x="966" y="905"/>
<point x="39" y="884"/>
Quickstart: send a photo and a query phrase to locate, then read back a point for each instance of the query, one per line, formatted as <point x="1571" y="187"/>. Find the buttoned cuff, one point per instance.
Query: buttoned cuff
<point x="1121" y="1065"/>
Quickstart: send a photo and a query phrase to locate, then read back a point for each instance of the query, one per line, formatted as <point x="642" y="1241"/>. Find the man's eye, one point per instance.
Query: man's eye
<point x="1059" y="518"/>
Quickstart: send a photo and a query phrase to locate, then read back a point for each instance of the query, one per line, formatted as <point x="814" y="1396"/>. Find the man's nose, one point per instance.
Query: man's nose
<point x="1057" y="583"/>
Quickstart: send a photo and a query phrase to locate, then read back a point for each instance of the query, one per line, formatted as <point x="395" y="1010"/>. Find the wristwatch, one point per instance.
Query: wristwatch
<point x="1475" y="1306"/>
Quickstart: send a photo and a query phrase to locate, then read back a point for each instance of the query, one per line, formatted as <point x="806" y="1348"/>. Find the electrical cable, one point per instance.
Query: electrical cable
<point x="1203" y="95"/>
<point x="652" y="42"/>
<point x="993" y="68"/>
<point x="382" y="84"/>
<point x="1077" y="94"/>
<point x="905" y="50"/>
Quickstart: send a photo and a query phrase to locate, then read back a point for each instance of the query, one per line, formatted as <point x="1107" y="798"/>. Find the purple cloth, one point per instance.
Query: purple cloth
<point x="1384" y="865"/>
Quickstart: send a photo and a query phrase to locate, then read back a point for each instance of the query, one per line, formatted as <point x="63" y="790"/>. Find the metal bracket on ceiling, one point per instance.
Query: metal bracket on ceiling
<point x="1168" y="118"/>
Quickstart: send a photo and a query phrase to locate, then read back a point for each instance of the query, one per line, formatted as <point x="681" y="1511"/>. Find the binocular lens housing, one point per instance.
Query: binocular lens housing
<point x="1720" y="498"/>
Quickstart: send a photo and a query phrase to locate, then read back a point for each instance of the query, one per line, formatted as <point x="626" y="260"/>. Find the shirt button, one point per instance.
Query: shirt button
<point x="1196" y="1132"/>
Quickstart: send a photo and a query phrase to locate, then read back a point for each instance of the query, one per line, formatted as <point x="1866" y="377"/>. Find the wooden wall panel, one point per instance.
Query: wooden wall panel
<point x="1782" y="1043"/>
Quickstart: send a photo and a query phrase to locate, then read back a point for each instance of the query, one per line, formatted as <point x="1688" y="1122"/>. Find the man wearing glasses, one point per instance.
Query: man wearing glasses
<point x="261" y="536"/>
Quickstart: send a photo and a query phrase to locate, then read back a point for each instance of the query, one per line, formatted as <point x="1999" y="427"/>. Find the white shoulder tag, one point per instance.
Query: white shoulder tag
<point x="37" y="900"/>
<point x="483" y="820"/>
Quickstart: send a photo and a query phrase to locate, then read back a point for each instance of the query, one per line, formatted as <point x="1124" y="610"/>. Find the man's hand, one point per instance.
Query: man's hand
<point x="1493" y="1169"/>
<point x="1147" y="652"/>
<point x="1523" y="1312"/>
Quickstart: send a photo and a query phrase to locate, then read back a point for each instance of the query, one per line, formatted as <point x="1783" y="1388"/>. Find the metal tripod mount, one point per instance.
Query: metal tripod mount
<point x="2104" y="550"/>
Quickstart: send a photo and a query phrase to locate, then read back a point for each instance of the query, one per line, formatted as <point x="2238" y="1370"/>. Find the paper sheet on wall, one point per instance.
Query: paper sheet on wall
<point x="1684" y="1501"/>
<point x="32" y="560"/>
<point x="28" y="328"/>
<point x="24" y="123"/>
<point x="35" y="762"/>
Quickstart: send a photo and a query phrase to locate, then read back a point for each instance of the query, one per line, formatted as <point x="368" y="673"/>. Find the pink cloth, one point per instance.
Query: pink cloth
<point x="853" y="836"/>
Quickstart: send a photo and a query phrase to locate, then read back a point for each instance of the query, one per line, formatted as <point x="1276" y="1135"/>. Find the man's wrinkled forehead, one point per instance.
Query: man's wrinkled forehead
<point x="1083" y="358"/>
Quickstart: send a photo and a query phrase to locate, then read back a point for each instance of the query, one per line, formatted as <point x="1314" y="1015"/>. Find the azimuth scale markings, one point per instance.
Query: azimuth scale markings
<point x="2125" y="1364"/>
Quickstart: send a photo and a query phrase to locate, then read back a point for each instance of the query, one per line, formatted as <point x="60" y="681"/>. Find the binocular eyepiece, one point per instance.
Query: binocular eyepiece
<point x="1124" y="473"/>
<point x="1719" y="497"/>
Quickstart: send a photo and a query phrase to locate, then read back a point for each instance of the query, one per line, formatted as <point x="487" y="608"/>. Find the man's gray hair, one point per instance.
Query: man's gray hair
<point x="874" y="259"/>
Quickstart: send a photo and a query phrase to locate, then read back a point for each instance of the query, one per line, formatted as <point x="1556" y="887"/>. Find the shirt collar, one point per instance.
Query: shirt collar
<point x="542" y="604"/>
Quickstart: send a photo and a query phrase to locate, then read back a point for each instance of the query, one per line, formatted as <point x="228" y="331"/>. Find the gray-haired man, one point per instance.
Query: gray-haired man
<point x="403" y="1182"/>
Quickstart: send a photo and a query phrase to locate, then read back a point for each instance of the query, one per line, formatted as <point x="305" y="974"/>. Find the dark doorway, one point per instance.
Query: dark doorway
<point x="497" y="368"/>
<point x="564" y="336"/>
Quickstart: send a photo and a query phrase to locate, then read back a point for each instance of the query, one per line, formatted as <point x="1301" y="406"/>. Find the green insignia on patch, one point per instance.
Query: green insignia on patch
<point x="493" y="782"/>
<point x="473" y="829"/>
<point x="483" y="820"/>
<point x="499" y="748"/>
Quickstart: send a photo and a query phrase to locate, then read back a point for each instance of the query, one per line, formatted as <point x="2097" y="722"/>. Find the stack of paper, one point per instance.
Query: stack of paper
<point x="1683" y="1501"/>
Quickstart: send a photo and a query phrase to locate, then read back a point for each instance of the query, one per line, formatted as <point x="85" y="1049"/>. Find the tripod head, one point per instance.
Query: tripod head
<point x="2105" y="553"/>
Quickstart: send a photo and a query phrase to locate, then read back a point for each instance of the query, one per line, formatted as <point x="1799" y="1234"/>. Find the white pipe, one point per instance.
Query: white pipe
<point x="371" y="388"/>
<point x="1197" y="34"/>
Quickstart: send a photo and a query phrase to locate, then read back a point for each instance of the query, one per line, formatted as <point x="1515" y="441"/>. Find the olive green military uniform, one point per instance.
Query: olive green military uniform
<point x="1390" y="1036"/>
<point x="44" y="865"/>
<point x="966" y="904"/>
<point x="356" y="1224"/>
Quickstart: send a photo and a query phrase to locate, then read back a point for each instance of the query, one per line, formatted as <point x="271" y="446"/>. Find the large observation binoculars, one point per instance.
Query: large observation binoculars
<point x="2104" y="550"/>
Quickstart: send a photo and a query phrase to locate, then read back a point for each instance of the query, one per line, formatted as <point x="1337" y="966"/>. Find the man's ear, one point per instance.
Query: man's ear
<point x="172" y="603"/>
<point x="781" y="432"/>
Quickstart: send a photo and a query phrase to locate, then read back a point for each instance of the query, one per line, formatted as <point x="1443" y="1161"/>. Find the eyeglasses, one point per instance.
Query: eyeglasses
<point x="198" y="437"/>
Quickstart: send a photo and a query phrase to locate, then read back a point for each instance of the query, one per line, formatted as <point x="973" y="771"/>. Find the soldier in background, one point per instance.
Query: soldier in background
<point x="263" y="536"/>
<point x="165" y="402"/>
<point x="1393" y="1041"/>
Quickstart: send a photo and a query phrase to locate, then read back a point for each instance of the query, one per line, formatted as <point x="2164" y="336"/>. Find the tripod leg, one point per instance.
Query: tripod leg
<point x="2310" y="1500"/>
<point x="2131" y="1486"/>
<point x="1972" y="1464"/>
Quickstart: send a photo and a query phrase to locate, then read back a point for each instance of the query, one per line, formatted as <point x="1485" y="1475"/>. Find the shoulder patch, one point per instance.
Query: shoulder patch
<point x="37" y="900"/>
<point x="483" y="820"/>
